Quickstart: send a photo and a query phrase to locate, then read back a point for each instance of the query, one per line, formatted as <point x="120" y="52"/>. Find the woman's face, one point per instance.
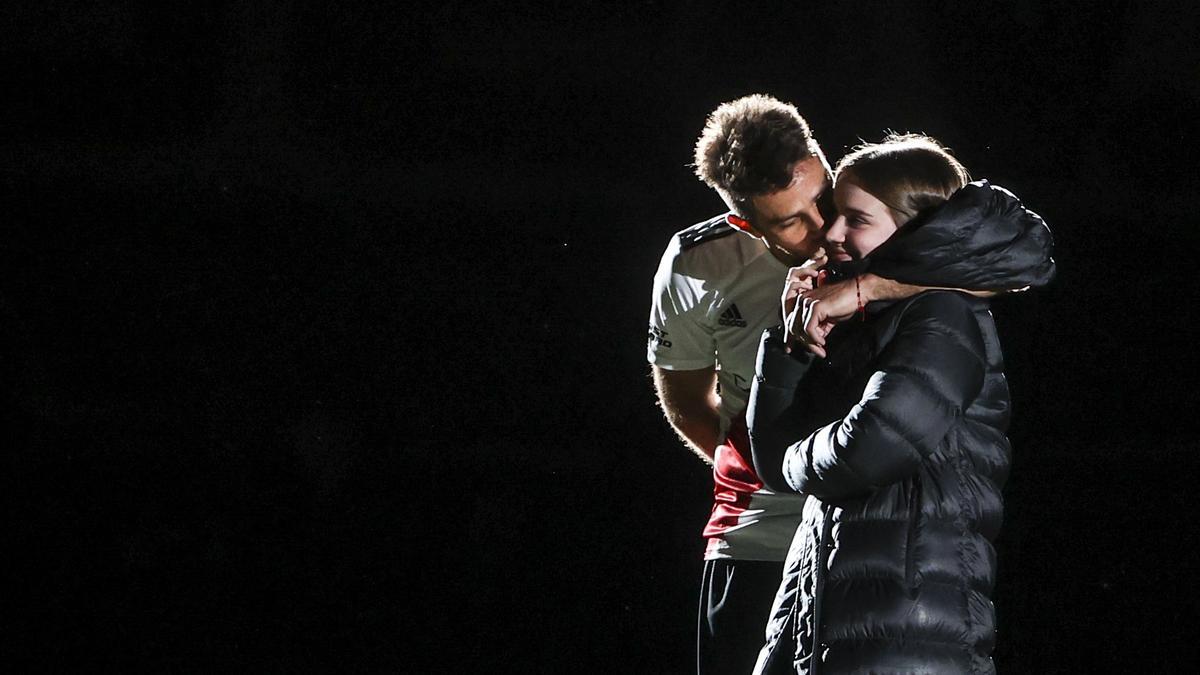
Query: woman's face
<point x="863" y="222"/>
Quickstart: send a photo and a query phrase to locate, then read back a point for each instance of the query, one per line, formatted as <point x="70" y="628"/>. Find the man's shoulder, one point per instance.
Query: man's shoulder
<point x="713" y="249"/>
<point x="706" y="231"/>
<point x="718" y="261"/>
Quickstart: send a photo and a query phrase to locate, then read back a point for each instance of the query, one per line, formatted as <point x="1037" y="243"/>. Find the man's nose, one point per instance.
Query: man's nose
<point x="836" y="233"/>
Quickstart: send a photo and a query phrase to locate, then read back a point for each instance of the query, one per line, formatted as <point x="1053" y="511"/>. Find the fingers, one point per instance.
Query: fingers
<point x="807" y="325"/>
<point x="825" y="291"/>
<point x="791" y="318"/>
<point x="799" y="280"/>
<point x="817" y="259"/>
<point x="813" y="331"/>
<point x="798" y="286"/>
<point x="801" y="272"/>
<point x="840" y="300"/>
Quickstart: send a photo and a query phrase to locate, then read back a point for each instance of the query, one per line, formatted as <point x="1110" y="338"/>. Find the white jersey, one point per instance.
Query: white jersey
<point x="715" y="292"/>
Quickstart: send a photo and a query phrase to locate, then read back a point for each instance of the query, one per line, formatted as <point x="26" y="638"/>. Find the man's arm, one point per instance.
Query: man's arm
<point x="826" y="306"/>
<point x="878" y="288"/>
<point x="689" y="400"/>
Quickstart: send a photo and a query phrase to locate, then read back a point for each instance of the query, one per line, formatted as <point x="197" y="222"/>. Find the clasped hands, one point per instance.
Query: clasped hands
<point x="810" y="311"/>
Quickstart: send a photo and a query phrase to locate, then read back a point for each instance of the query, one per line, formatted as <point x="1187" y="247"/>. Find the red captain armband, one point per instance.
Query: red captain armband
<point x="738" y="222"/>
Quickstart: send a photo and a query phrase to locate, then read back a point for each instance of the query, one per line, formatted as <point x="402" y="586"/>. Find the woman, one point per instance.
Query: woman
<point x="898" y="435"/>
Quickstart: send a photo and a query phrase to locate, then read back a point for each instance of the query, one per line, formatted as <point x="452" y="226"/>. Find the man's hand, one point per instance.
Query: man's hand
<point x="799" y="280"/>
<point x="824" y="308"/>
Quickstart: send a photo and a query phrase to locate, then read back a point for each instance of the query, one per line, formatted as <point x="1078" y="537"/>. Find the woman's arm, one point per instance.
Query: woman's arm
<point x="931" y="370"/>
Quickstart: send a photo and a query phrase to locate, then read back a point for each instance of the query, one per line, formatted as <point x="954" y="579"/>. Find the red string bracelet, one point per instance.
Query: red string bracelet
<point x="862" y="309"/>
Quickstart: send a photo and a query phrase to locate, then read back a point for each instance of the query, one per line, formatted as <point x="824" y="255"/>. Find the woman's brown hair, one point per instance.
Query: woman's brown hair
<point x="907" y="172"/>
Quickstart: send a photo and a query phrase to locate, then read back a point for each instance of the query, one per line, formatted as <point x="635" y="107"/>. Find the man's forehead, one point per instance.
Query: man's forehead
<point x="810" y="172"/>
<point x="809" y="164"/>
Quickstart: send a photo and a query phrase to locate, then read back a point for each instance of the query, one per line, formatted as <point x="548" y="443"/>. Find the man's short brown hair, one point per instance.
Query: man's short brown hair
<point x="749" y="147"/>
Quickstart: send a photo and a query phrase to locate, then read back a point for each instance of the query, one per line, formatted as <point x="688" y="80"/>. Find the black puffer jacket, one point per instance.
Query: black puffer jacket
<point x="898" y="438"/>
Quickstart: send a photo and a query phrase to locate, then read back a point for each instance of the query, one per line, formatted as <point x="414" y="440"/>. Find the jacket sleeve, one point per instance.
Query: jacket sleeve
<point x="981" y="239"/>
<point x="929" y="372"/>
<point x="772" y="415"/>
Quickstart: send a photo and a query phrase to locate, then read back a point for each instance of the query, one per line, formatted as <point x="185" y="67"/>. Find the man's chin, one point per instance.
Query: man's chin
<point x="787" y="257"/>
<point x="794" y="257"/>
<point x="841" y="257"/>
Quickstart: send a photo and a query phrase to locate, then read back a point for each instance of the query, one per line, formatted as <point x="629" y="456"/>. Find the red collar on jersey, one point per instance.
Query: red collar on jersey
<point x="738" y="222"/>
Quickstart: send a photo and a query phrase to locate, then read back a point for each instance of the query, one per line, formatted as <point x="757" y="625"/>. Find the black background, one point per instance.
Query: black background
<point x="323" y="328"/>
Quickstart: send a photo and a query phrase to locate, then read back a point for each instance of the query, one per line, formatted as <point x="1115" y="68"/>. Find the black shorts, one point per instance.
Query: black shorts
<point x="735" y="602"/>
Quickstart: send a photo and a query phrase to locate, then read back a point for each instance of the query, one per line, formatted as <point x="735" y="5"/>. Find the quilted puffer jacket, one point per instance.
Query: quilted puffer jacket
<point x="898" y="439"/>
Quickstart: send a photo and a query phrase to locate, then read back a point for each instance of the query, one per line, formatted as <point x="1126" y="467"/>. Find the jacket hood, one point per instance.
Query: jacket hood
<point x="982" y="238"/>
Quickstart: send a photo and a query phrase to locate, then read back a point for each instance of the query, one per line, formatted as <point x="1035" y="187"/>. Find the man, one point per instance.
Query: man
<point x="717" y="287"/>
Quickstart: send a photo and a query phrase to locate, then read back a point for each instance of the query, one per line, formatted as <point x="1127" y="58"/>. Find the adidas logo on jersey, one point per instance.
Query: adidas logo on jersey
<point x="732" y="317"/>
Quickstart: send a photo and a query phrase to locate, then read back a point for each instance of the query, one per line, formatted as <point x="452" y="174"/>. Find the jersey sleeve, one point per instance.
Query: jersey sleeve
<point x="679" y="338"/>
